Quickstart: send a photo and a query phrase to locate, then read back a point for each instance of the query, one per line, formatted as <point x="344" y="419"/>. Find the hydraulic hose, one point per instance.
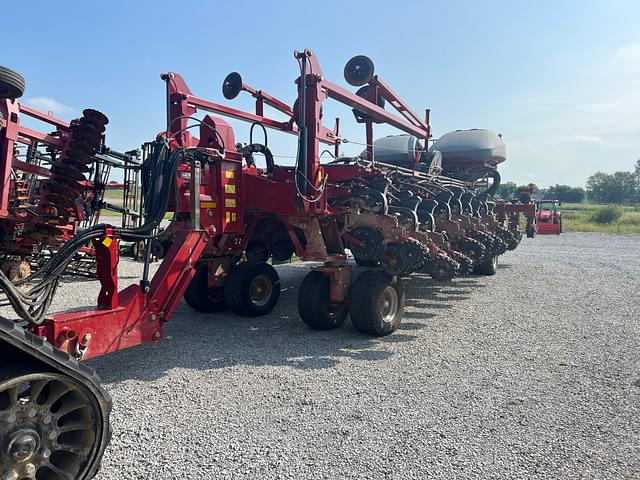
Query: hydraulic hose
<point x="157" y="179"/>
<point x="495" y="175"/>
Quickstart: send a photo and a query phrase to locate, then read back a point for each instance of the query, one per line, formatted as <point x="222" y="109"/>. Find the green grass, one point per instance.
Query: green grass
<point x="113" y="194"/>
<point x="578" y="217"/>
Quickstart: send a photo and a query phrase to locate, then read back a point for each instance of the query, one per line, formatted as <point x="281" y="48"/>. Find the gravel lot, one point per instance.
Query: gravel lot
<point x="533" y="373"/>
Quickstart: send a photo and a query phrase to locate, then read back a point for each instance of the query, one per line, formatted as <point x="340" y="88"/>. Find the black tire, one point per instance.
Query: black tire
<point x="257" y="252"/>
<point x="157" y="249"/>
<point x="531" y="231"/>
<point x="137" y="250"/>
<point x="376" y="303"/>
<point x="12" y="84"/>
<point x="282" y="250"/>
<point x="490" y="267"/>
<point x="314" y="304"/>
<point x="252" y="289"/>
<point x="202" y="298"/>
<point x="366" y="263"/>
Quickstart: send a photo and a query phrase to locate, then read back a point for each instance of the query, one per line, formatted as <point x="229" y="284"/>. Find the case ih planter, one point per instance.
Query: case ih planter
<point x="230" y="217"/>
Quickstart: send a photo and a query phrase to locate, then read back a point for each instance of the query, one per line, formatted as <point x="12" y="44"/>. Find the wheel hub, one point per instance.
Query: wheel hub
<point x="23" y="444"/>
<point x="334" y="310"/>
<point x="260" y="290"/>
<point x="389" y="304"/>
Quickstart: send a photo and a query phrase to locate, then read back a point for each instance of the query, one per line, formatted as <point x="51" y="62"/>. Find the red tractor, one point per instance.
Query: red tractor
<point x="549" y="217"/>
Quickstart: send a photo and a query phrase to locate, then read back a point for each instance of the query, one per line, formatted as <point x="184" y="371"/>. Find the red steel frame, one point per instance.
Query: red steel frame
<point x="13" y="133"/>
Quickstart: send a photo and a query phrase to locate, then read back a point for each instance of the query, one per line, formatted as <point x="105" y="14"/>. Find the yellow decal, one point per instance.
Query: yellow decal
<point x="233" y="216"/>
<point x="229" y="189"/>
<point x="228" y="217"/>
<point x="230" y="202"/>
<point x="208" y="204"/>
<point x="107" y="241"/>
<point x="229" y="174"/>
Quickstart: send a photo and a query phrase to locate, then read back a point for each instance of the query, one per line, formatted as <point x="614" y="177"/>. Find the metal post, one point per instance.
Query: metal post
<point x="302" y="162"/>
<point x="337" y="144"/>
<point x="195" y="194"/>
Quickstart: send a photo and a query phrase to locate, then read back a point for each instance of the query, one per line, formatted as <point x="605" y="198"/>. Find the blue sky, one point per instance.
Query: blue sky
<point x="558" y="79"/>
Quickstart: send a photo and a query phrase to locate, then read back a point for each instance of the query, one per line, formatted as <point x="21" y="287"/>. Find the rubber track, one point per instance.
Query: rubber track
<point x="60" y="361"/>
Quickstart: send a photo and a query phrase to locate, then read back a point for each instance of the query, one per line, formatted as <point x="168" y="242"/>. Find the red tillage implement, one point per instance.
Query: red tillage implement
<point x="50" y="183"/>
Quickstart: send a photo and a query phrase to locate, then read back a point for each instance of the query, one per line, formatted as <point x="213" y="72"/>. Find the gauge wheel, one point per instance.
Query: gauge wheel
<point x="376" y="303"/>
<point x="252" y="289"/>
<point x="200" y="296"/>
<point x="490" y="267"/>
<point x="315" y="306"/>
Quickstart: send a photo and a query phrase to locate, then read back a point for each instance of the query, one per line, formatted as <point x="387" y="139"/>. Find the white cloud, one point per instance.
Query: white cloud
<point x="48" y="104"/>
<point x="627" y="59"/>
<point x="629" y="52"/>
<point x="583" y="139"/>
<point x="587" y="121"/>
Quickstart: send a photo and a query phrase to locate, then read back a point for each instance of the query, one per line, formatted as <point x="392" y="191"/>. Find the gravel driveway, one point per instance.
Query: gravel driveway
<point x="532" y="373"/>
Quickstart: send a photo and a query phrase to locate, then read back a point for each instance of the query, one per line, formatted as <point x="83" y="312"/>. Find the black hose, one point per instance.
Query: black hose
<point x="158" y="177"/>
<point x="264" y="130"/>
<point x="301" y="159"/>
<point x="495" y="175"/>
<point x="259" y="148"/>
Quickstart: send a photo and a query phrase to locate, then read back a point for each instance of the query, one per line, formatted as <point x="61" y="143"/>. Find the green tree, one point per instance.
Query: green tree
<point x="565" y="193"/>
<point x="576" y="195"/>
<point x="506" y="190"/>
<point x="621" y="187"/>
<point x="598" y="187"/>
<point x="637" y="174"/>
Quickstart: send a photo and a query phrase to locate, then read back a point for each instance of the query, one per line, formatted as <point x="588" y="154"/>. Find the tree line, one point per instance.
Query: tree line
<point x="618" y="187"/>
